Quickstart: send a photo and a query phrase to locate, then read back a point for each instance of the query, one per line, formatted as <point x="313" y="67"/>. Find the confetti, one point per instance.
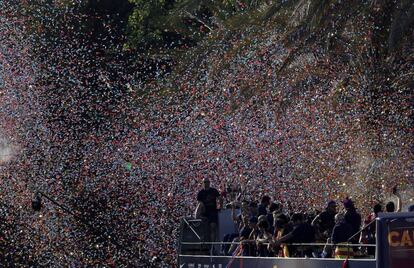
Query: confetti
<point x="79" y="123"/>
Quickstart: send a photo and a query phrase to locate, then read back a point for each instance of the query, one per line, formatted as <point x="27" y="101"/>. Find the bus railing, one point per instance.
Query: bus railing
<point x="287" y="244"/>
<point x="214" y="245"/>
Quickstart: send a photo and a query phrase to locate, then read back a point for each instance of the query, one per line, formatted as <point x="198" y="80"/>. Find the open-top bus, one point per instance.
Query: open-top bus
<point x="394" y="247"/>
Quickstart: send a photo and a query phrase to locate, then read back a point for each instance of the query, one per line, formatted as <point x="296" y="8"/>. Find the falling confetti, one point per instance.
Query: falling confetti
<point x="323" y="125"/>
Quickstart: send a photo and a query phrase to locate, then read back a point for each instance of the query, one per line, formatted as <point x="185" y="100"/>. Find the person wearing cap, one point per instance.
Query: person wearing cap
<point x="325" y="221"/>
<point x="352" y="217"/>
<point x="208" y="198"/>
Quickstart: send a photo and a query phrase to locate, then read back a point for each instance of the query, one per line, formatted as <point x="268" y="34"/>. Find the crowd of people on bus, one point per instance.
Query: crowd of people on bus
<point x="268" y="229"/>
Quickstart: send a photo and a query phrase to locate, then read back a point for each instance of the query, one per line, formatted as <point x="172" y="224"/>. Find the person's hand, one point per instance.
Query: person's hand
<point x="270" y="246"/>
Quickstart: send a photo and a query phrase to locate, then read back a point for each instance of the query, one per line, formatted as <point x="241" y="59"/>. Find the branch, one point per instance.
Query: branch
<point x="197" y="19"/>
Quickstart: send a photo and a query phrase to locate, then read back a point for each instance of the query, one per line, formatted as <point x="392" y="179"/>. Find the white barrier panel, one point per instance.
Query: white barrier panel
<point x="226" y="225"/>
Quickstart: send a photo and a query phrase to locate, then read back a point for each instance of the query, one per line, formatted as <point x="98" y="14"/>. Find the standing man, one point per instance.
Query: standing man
<point x="393" y="200"/>
<point x="340" y="234"/>
<point x="208" y="197"/>
<point x="325" y="221"/>
<point x="352" y="217"/>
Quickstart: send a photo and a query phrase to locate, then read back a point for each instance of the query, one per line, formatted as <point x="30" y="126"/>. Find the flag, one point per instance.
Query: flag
<point x="345" y="264"/>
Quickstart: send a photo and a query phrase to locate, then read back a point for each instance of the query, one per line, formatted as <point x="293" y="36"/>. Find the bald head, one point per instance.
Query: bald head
<point x="206" y="184"/>
<point x="339" y="217"/>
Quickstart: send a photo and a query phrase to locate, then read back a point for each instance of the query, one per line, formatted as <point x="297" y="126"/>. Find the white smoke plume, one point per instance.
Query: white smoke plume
<point x="6" y="150"/>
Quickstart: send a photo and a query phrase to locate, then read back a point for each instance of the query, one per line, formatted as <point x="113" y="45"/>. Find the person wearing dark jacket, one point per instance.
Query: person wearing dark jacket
<point x="341" y="232"/>
<point x="302" y="232"/>
<point x="353" y="218"/>
<point x="325" y="221"/>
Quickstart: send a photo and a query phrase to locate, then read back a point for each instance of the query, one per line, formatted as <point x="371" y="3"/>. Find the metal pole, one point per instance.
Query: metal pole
<point x="188" y="224"/>
<point x="349" y="239"/>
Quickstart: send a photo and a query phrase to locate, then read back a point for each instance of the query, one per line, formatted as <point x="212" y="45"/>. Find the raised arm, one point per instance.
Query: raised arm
<point x="399" y="202"/>
<point x="398" y="196"/>
<point x="316" y="220"/>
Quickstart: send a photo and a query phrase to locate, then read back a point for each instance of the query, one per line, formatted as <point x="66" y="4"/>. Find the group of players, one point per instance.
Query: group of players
<point x="268" y="230"/>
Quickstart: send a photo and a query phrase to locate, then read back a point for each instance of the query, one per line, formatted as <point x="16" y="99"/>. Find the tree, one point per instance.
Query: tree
<point x="171" y="23"/>
<point x="148" y="22"/>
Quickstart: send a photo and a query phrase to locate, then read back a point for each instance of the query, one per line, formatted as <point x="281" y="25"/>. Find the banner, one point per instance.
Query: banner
<point x="395" y="240"/>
